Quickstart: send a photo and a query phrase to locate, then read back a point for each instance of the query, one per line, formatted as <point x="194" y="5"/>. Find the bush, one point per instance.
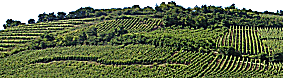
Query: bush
<point x="228" y="50"/>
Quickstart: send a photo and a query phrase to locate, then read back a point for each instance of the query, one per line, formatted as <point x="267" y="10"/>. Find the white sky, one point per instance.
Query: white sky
<point x="23" y="10"/>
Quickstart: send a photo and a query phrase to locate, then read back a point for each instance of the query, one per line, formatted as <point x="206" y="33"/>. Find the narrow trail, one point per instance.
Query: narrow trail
<point x="118" y="65"/>
<point x="100" y="61"/>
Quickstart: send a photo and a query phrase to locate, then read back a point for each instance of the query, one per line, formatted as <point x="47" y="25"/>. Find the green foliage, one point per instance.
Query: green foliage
<point x="35" y="36"/>
<point x="106" y="55"/>
<point x="272" y="39"/>
<point x="189" y="40"/>
<point x="31" y="21"/>
<point x="147" y="58"/>
<point x="229" y="51"/>
<point x="11" y="23"/>
<point x="46" y="17"/>
<point x="89" y="36"/>
<point x="61" y="15"/>
<point x="168" y="41"/>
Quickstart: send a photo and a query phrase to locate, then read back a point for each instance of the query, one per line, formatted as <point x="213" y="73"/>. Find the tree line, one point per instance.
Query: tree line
<point x="169" y="12"/>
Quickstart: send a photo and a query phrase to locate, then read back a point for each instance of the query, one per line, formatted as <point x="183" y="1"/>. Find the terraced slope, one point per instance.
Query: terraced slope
<point x="132" y="25"/>
<point x="141" y="52"/>
<point x="19" y="35"/>
<point x="139" y="60"/>
<point x="230" y="66"/>
<point x="107" y="57"/>
<point x="149" y="56"/>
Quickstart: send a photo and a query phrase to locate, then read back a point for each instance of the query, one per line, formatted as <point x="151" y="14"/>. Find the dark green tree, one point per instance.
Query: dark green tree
<point x="31" y="21"/>
<point x="84" y="12"/>
<point x="46" y="17"/>
<point x="172" y="3"/>
<point x="48" y="37"/>
<point x="196" y="8"/>
<point x="148" y="8"/>
<point x="4" y="26"/>
<point x="250" y="10"/>
<point x="227" y="50"/>
<point x="61" y="15"/>
<point x="42" y="17"/>
<point x="244" y="9"/>
<point x="71" y="15"/>
<point x="51" y="16"/>
<point x="160" y="8"/>
<point x="231" y="7"/>
<point x="11" y="23"/>
<point x="136" y="6"/>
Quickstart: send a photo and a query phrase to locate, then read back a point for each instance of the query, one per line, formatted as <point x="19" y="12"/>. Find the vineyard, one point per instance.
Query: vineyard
<point x="97" y="57"/>
<point x="272" y="37"/>
<point x="245" y="39"/>
<point x="133" y="42"/>
<point x="133" y="58"/>
<point x="250" y="40"/>
<point x="132" y="25"/>
<point x="20" y="35"/>
<point x="152" y="57"/>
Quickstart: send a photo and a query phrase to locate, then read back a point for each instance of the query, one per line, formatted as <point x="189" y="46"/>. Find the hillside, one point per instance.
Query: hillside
<point x="168" y="41"/>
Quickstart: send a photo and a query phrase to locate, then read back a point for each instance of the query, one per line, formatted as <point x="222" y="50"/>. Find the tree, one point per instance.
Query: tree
<point x="233" y="6"/>
<point x="266" y="12"/>
<point x="196" y="8"/>
<point x="84" y="12"/>
<point x="4" y="26"/>
<point x="148" y="8"/>
<point x="51" y="16"/>
<point x="46" y="17"/>
<point x="82" y="37"/>
<point x="156" y="5"/>
<point x="244" y="9"/>
<point x="61" y="15"/>
<point x="172" y="3"/>
<point x="228" y="50"/>
<point x="42" y="17"/>
<point x="159" y="8"/>
<point x="81" y="13"/>
<point x="281" y="12"/>
<point x="71" y="15"/>
<point x="11" y="23"/>
<point x="31" y="21"/>
<point x="48" y="37"/>
<point x="136" y="6"/>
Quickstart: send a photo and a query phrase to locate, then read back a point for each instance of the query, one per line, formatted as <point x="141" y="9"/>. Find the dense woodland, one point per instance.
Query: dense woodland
<point x="165" y="41"/>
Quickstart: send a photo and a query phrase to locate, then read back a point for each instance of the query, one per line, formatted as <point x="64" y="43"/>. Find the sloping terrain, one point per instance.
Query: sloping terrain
<point x="168" y="41"/>
<point x="149" y="56"/>
<point x="20" y="35"/>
